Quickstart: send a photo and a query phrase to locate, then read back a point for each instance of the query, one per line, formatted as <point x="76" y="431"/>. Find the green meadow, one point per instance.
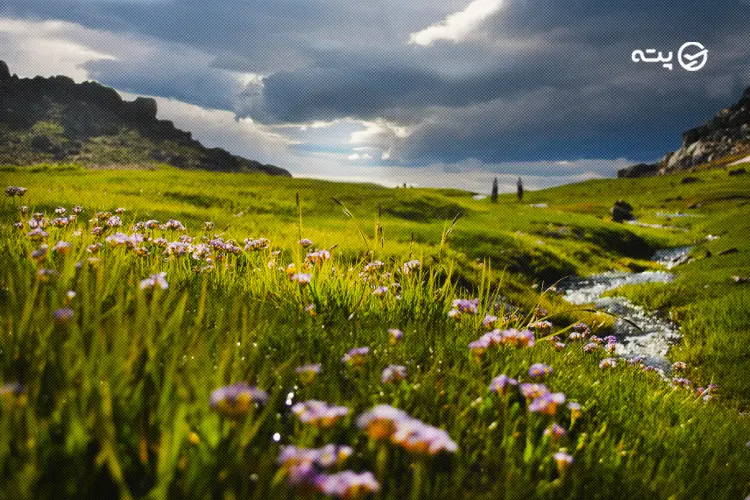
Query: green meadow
<point x="118" y="382"/>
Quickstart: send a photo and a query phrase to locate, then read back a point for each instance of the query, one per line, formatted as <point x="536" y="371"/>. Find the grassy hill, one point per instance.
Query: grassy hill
<point x="57" y="120"/>
<point x="117" y="378"/>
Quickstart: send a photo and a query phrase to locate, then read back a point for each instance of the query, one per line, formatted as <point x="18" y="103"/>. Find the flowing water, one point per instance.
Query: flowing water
<point x="654" y="335"/>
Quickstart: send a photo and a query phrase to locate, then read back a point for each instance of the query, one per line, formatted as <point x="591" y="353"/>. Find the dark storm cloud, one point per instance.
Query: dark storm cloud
<point x="538" y="80"/>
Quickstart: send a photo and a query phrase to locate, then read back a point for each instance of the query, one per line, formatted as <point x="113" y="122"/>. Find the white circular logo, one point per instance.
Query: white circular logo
<point x="690" y="60"/>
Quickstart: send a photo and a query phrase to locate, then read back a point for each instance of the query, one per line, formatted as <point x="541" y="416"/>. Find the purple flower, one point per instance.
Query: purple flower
<point x="547" y="404"/>
<point x="237" y="399"/>
<point x="555" y="431"/>
<point x="532" y="391"/>
<point x="319" y="413"/>
<point x="608" y="363"/>
<point x="417" y="437"/>
<point x="348" y="484"/>
<point x="302" y="278"/>
<point x="63" y="248"/>
<point x="329" y="455"/>
<point x="466" y="306"/>
<point x="40" y="254"/>
<point x="575" y="410"/>
<point x="410" y="266"/>
<point x="489" y="321"/>
<point x="679" y="366"/>
<point x="563" y="461"/>
<point x="393" y="373"/>
<point x="155" y="280"/>
<point x="380" y="291"/>
<point x="681" y="382"/>
<point x="395" y="335"/>
<point x="305" y="242"/>
<point x="380" y="423"/>
<point x="318" y="257"/>
<point x="374" y="266"/>
<point x="307" y="373"/>
<point x="356" y="356"/>
<point x="539" y="370"/>
<point x="502" y="384"/>
<point x="590" y="347"/>
<point x="37" y="234"/>
<point x="63" y="316"/>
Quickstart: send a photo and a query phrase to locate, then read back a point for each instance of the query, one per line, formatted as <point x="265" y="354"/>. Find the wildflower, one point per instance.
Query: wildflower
<point x="539" y="370"/>
<point x="681" y="382"/>
<point x="11" y="389"/>
<point x="576" y="336"/>
<point x="489" y="321"/>
<point x="410" y="266"/>
<point x="120" y="211"/>
<point x="237" y="399"/>
<point x="63" y="316"/>
<point x="97" y="230"/>
<point x="60" y="222"/>
<point x="558" y="346"/>
<point x="417" y="437"/>
<point x="114" y="221"/>
<point x="259" y="244"/>
<point x="479" y="346"/>
<point x="374" y="266"/>
<point x="502" y="384"/>
<point x="208" y="226"/>
<point x="40" y="254"/>
<point x="307" y="373"/>
<point x="393" y="373"/>
<point x="174" y="225"/>
<point x="555" y="431"/>
<point x="532" y="391"/>
<point x="590" y="347"/>
<point x="77" y="209"/>
<point x="596" y="340"/>
<point x="394" y="334"/>
<point x="60" y="210"/>
<point x="348" y="484"/>
<point x="575" y="410"/>
<point x="155" y="280"/>
<point x="15" y="191"/>
<point x="608" y="363"/>
<point x="37" y="234"/>
<point x="46" y="275"/>
<point x="466" y="306"/>
<point x="302" y="278"/>
<point x="679" y="366"/>
<point x="23" y="209"/>
<point x="18" y="225"/>
<point x="329" y="455"/>
<point x="513" y="337"/>
<point x="542" y="326"/>
<point x="635" y="361"/>
<point x="63" y="248"/>
<point x="380" y="291"/>
<point x="305" y="242"/>
<point x="319" y="413"/>
<point x="547" y="404"/>
<point x="310" y="309"/>
<point x="356" y="356"/>
<point x="381" y="421"/>
<point x="563" y="461"/>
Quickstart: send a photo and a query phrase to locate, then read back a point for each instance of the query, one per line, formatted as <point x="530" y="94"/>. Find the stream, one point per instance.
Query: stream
<point x="656" y="333"/>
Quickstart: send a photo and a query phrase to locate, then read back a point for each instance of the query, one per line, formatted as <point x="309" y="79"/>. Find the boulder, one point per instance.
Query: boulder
<point x="639" y="170"/>
<point x="4" y="71"/>
<point x="622" y="211"/>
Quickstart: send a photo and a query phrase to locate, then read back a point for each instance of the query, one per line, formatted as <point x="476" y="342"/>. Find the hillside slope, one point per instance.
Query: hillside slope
<point x="57" y="120"/>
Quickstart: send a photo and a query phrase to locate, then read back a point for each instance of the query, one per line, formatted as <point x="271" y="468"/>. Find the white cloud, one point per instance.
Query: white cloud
<point x="459" y="25"/>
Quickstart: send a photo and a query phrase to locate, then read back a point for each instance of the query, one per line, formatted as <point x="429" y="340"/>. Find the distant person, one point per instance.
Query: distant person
<point x="493" y="197"/>
<point x="519" y="191"/>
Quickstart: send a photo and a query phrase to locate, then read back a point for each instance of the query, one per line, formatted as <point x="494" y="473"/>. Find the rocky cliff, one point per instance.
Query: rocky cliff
<point x="57" y="120"/>
<point x="726" y="135"/>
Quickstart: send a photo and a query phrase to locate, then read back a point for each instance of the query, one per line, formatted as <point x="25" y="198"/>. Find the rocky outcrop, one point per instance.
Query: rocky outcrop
<point x="56" y="119"/>
<point x="726" y="135"/>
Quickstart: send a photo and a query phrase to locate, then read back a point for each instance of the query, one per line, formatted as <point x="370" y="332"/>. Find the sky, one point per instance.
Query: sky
<point x="439" y="93"/>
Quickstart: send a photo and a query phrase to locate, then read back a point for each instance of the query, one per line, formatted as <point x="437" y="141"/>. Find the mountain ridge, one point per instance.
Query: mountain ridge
<point x="58" y="120"/>
<point x="723" y="138"/>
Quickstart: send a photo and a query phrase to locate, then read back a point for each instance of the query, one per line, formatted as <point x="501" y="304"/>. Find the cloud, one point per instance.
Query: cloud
<point x="459" y="25"/>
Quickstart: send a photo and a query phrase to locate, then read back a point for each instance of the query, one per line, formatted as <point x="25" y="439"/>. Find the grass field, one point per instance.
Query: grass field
<point x="109" y="391"/>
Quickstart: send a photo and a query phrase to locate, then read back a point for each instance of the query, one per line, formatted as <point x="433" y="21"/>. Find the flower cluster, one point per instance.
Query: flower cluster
<point x="356" y="356"/>
<point x="319" y="413"/>
<point x="510" y="337"/>
<point x="393" y="373"/>
<point x="237" y="399"/>
<point x="15" y="191"/>
<point x="463" y="306"/>
<point x="158" y="280"/>
<point x="386" y="423"/>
